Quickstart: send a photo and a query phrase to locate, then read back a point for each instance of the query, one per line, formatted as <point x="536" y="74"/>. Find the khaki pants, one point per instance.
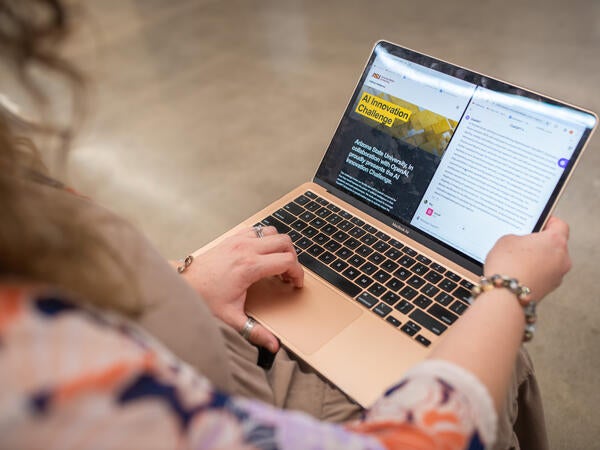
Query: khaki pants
<point x="291" y="384"/>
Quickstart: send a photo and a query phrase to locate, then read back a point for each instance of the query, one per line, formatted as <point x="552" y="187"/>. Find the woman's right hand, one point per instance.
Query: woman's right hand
<point x="538" y="260"/>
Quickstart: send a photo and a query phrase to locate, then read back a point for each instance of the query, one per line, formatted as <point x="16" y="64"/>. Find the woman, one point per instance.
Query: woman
<point x="75" y="370"/>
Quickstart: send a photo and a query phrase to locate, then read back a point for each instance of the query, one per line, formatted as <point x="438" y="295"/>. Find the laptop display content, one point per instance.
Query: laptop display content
<point x="453" y="158"/>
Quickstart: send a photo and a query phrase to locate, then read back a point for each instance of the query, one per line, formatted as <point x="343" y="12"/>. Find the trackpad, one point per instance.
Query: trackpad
<point x="303" y="319"/>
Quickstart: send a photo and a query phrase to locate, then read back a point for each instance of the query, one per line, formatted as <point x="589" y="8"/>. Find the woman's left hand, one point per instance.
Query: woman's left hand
<point x="223" y="274"/>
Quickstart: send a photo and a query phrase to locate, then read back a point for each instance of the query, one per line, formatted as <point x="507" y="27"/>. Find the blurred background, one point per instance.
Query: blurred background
<point x="201" y="112"/>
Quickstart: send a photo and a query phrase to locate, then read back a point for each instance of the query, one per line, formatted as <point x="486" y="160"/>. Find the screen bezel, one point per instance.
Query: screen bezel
<point x="475" y="78"/>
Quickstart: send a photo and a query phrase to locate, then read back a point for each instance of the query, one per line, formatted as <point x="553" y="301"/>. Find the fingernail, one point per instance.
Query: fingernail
<point x="272" y="347"/>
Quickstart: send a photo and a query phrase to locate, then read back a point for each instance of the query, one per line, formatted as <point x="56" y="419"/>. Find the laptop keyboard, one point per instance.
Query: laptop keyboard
<point x="400" y="285"/>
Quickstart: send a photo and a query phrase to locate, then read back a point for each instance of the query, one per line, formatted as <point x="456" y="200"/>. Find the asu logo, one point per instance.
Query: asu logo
<point x="376" y="76"/>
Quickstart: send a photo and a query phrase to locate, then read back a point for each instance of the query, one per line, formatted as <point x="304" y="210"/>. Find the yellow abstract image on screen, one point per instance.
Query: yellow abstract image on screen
<point x="406" y="121"/>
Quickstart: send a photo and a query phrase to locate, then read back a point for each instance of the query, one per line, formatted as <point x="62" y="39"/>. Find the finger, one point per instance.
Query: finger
<point x="274" y="244"/>
<point x="557" y="226"/>
<point x="251" y="232"/>
<point x="285" y="264"/>
<point x="259" y="335"/>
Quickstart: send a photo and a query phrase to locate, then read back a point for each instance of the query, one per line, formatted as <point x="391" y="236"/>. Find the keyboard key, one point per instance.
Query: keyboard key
<point x="396" y="243"/>
<point x="442" y="313"/>
<point x="333" y="246"/>
<point x="340" y="236"/>
<point x="409" y="251"/>
<point x="423" y="340"/>
<point x="304" y="243"/>
<point x="462" y="294"/>
<point x="368" y="268"/>
<point x="318" y="222"/>
<point x="367" y="300"/>
<point x="273" y="222"/>
<point x="310" y="194"/>
<point x="357" y="221"/>
<point x="381" y="235"/>
<point x="312" y="206"/>
<point x="433" y="276"/>
<point x="351" y="273"/>
<point x="406" y="261"/>
<point x="364" y="281"/>
<point x="402" y="273"/>
<point x="447" y="285"/>
<point x="323" y="212"/>
<point x="438" y="268"/>
<point x="368" y="239"/>
<point x="389" y="266"/>
<point x="328" y="274"/>
<point x="408" y="293"/>
<point x="444" y="299"/>
<point x="357" y="232"/>
<point x="411" y="328"/>
<point x="302" y="200"/>
<point x="328" y="229"/>
<point x="466" y="284"/>
<point x="284" y="216"/>
<point x="370" y="229"/>
<point x="334" y="208"/>
<point x="395" y="284"/>
<point x="322" y="201"/>
<point x="377" y="289"/>
<point x="299" y="225"/>
<point x="422" y="302"/>
<point x="307" y="216"/>
<point x="346" y="215"/>
<point x="382" y="276"/>
<point x="382" y="310"/>
<point x="376" y="258"/>
<point x="428" y="322"/>
<point x="430" y="290"/>
<point x="423" y="259"/>
<point x="352" y="243"/>
<point x="321" y="238"/>
<point x="344" y="253"/>
<point x="316" y="250"/>
<point x="339" y="265"/>
<point x="458" y="307"/>
<point x="453" y="276"/>
<point x="345" y="225"/>
<point x="294" y="235"/>
<point x="415" y="281"/>
<point x="364" y="250"/>
<point x="326" y="257"/>
<point x="390" y="298"/>
<point x="420" y="269"/>
<point x="381" y="246"/>
<point x="294" y="208"/>
<point x="393" y="253"/>
<point x="310" y="231"/>
<point x="356" y="261"/>
<point x="393" y="321"/>
<point x="404" y="307"/>
<point x="334" y="219"/>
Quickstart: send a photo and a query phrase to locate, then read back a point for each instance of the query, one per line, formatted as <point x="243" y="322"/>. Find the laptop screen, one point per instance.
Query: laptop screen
<point x="450" y="156"/>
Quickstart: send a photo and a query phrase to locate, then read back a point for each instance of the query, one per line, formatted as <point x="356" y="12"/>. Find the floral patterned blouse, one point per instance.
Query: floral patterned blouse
<point x="79" y="378"/>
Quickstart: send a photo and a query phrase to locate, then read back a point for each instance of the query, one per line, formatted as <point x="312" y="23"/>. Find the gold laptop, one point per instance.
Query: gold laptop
<point x="430" y="164"/>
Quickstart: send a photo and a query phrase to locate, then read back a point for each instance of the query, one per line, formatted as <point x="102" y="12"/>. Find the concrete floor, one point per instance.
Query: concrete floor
<point x="204" y="111"/>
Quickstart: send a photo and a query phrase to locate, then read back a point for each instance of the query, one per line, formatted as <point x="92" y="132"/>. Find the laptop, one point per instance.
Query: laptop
<point x="430" y="164"/>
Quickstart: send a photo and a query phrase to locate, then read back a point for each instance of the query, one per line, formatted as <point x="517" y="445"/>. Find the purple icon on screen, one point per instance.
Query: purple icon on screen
<point x="467" y="117"/>
<point x="562" y="162"/>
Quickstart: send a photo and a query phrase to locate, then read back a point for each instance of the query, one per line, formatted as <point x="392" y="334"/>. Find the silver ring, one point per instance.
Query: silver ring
<point x="247" y="328"/>
<point x="258" y="229"/>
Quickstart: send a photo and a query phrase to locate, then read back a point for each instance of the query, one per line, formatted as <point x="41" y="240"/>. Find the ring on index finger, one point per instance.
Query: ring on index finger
<point x="247" y="328"/>
<point x="258" y="230"/>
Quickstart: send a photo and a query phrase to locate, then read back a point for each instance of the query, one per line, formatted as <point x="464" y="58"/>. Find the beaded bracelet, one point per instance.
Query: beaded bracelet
<point x="521" y="292"/>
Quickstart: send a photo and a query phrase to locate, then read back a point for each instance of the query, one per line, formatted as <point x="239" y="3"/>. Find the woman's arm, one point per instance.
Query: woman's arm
<point x="486" y="339"/>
